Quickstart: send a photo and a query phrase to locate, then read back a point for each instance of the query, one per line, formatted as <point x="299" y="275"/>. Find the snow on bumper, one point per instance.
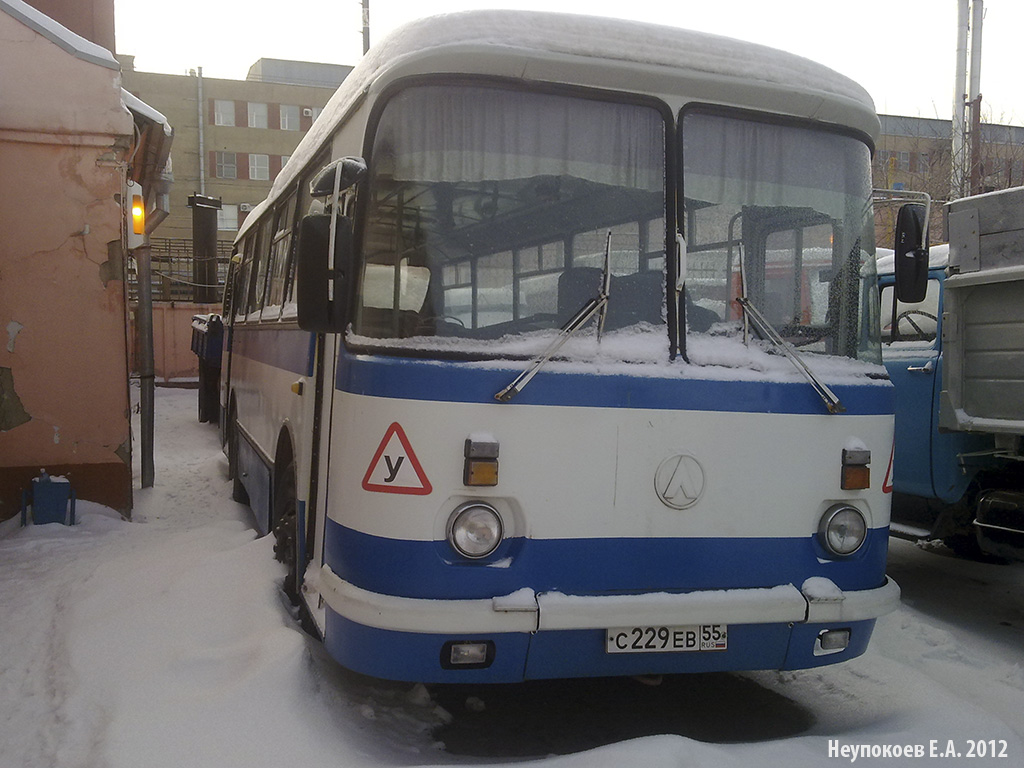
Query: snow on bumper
<point x="817" y="601"/>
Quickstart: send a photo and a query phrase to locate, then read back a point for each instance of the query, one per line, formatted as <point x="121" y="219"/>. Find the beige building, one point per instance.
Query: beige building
<point x="231" y="139"/>
<point x="915" y="153"/>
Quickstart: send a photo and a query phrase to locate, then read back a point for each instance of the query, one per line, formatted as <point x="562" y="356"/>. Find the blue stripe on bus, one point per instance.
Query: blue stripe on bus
<point x="450" y="381"/>
<point x="430" y="569"/>
<point x="416" y="656"/>
<point x="289" y="349"/>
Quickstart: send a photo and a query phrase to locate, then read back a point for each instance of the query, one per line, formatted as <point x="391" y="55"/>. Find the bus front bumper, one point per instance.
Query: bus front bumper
<point x="817" y="601"/>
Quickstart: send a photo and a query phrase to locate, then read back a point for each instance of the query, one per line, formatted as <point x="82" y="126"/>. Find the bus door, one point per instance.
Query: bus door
<point x="319" y="406"/>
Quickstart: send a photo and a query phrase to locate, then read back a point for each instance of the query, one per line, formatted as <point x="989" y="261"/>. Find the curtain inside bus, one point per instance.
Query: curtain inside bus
<point x="490" y="210"/>
<point x="461" y="135"/>
<point x="781" y="214"/>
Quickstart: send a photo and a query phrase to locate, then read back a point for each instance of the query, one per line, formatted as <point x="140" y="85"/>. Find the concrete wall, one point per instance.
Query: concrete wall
<point x="64" y="402"/>
<point x="174" y="362"/>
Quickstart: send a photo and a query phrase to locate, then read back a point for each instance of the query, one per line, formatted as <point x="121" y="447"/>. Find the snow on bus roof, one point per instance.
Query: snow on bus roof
<point x="558" y="34"/>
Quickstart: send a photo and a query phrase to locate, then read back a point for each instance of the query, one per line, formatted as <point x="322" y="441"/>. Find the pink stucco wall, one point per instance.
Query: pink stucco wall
<point x="64" y="402"/>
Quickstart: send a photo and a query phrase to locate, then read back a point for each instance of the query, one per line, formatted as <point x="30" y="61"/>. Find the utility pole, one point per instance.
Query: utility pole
<point x="959" y="146"/>
<point x="965" y="157"/>
<point x="974" y="96"/>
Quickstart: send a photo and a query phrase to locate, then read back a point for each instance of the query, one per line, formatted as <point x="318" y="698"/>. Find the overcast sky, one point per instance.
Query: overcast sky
<point x="902" y="51"/>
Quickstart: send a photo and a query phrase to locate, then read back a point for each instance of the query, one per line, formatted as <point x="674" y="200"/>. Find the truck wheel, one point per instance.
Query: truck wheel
<point x="959" y="528"/>
<point x="964" y="545"/>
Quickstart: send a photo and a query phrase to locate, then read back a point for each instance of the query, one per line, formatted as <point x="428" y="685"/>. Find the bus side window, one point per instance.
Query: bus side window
<point x="230" y="285"/>
<point x="241" y="290"/>
<point x="261" y="262"/>
<point x="241" y="278"/>
<point x="279" y="257"/>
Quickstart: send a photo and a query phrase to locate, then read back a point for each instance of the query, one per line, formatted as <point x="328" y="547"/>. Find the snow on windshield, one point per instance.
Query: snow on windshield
<point x="641" y="350"/>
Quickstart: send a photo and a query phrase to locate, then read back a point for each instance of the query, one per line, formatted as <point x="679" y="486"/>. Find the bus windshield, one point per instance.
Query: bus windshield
<point x="489" y="212"/>
<point x="781" y="215"/>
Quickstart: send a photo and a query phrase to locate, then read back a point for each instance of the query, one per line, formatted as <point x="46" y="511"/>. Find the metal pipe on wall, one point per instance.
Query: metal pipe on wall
<point x="201" y="122"/>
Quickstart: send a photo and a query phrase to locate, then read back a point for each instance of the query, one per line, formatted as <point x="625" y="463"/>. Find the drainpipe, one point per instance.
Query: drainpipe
<point x="202" y="130"/>
<point x="366" y="26"/>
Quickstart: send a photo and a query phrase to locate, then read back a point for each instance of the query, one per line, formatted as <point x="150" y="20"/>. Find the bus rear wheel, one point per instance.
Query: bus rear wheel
<point x="238" y="492"/>
<point x="286" y="530"/>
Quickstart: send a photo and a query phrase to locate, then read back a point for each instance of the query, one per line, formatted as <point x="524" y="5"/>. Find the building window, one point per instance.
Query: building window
<point x="316" y="112"/>
<point x="259" y="167"/>
<point x="227" y="217"/>
<point x="924" y="162"/>
<point x="227" y="167"/>
<point x="223" y="112"/>
<point x="904" y="161"/>
<point x="257" y="115"/>
<point x="284" y="160"/>
<point x="289" y="118"/>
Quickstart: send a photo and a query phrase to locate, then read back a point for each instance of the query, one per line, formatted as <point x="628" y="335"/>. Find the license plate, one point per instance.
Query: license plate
<point x="697" y="637"/>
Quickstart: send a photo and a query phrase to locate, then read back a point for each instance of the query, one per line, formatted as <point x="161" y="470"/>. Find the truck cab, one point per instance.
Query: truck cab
<point x="955" y="354"/>
<point x="932" y="470"/>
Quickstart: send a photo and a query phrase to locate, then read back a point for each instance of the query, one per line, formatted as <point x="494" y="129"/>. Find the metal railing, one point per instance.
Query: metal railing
<point x="173" y="273"/>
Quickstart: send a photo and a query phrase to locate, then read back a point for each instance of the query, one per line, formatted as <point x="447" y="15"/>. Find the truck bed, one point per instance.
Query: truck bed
<point x="983" y="316"/>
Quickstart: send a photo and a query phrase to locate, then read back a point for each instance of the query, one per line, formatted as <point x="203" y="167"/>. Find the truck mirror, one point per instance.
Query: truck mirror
<point x="911" y="253"/>
<point x="321" y="283"/>
<point x="345" y="173"/>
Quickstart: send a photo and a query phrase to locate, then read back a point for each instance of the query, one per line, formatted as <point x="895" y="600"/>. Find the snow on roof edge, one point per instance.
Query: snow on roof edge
<point x="61" y="36"/>
<point x="137" y="105"/>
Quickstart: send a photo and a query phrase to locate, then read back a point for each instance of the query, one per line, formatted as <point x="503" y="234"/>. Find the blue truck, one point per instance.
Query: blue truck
<point x="955" y="353"/>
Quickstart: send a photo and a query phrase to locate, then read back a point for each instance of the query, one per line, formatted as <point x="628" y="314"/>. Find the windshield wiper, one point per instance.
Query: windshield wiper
<point x="768" y="332"/>
<point x="598" y="305"/>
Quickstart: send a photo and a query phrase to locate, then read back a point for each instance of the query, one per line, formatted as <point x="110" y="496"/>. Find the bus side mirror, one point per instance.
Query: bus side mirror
<point x="911" y="253"/>
<point x="321" y="287"/>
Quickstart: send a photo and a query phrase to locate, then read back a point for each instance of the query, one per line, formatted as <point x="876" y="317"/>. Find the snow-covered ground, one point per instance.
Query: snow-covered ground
<point x="165" y="642"/>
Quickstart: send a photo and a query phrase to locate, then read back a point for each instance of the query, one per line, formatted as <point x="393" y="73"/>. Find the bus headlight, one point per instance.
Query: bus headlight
<point x="475" y="530"/>
<point x="842" y="530"/>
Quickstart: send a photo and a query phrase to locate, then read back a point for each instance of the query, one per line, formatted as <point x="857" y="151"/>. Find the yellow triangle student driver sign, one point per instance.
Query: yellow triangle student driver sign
<point x="394" y="468"/>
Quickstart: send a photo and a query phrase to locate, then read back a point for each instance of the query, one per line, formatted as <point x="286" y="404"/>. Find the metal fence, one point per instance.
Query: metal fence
<point x="173" y="273"/>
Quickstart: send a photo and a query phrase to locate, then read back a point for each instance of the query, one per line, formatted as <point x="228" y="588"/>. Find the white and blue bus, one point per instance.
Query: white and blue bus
<point x="554" y="352"/>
